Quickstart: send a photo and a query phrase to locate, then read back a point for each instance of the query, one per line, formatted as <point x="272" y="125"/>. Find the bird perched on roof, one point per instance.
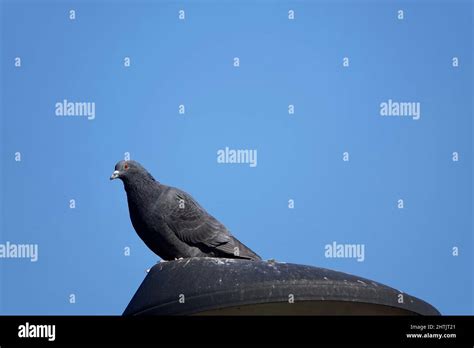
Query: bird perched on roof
<point x="171" y="223"/>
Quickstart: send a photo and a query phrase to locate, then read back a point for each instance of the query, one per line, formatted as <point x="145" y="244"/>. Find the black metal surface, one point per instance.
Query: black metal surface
<point x="211" y="286"/>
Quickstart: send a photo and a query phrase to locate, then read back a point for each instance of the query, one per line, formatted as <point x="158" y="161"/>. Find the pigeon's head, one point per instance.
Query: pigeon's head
<point x="128" y="169"/>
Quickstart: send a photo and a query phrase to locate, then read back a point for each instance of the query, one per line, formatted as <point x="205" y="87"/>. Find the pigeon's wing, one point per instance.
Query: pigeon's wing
<point x="193" y="225"/>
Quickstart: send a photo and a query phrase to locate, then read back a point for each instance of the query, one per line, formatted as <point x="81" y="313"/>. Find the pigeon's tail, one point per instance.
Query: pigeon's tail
<point x="243" y="252"/>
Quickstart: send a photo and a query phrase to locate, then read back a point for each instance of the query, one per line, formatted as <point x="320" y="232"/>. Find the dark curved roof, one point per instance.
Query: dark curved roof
<point x="216" y="286"/>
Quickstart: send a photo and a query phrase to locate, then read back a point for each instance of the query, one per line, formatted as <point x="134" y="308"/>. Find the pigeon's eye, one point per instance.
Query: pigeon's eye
<point x="126" y="166"/>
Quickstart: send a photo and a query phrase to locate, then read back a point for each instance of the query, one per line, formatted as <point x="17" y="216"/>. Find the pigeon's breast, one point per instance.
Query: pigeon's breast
<point x="151" y="229"/>
<point x="155" y="233"/>
<point x="144" y="220"/>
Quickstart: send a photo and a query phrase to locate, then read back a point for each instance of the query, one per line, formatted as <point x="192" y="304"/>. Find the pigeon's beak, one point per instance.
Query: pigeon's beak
<point x="114" y="175"/>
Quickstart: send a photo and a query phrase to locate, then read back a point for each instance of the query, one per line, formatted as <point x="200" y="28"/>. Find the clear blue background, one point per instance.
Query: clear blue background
<point x="283" y="62"/>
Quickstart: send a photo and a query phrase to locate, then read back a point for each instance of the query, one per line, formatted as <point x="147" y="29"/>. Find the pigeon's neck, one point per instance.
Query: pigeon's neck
<point x="143" y="188"/>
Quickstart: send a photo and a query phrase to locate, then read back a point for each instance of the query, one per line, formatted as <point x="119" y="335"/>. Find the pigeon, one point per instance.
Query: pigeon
<point x="171" y="222"/>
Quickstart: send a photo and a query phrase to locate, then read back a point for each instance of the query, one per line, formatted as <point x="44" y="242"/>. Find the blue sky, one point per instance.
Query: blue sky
<point x="300" y="156"/>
